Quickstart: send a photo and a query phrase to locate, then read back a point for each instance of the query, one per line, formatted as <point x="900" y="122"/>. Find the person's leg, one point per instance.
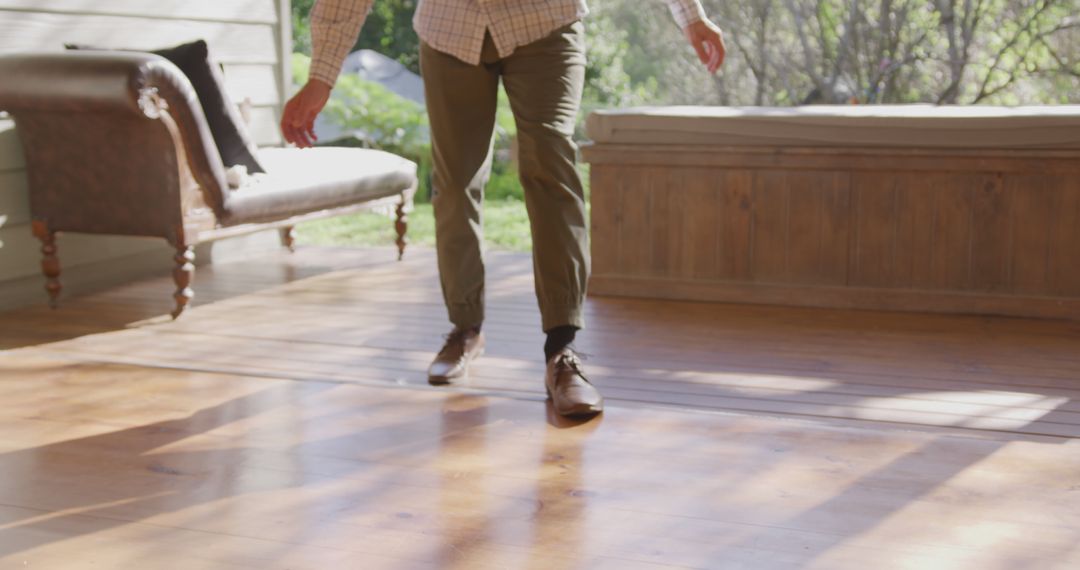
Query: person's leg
<point x="544" y="81"/>
<point x="461" y="101"/>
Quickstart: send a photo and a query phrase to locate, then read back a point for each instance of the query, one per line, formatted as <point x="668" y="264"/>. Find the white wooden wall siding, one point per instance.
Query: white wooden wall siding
<point x="249" y="37"/>
<point x="951" y="231"/>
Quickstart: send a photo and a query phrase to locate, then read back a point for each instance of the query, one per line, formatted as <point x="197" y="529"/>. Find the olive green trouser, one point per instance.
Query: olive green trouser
<point x="543" y="82"/>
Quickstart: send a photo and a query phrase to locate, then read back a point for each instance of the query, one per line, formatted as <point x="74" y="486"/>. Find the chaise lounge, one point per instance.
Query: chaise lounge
<point x="117" y="143"/>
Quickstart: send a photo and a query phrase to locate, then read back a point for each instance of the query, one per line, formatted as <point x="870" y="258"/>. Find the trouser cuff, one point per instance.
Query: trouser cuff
<point x="465" y="316"/>
<point x="561" y="315"/>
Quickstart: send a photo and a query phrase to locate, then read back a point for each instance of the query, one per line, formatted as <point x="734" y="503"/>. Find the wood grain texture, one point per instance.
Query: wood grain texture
<point x="1033" y="223"/>
<point x="1065" y="256"/>
<point x="841" y="297"/>
<point x="881" y="221"/>
<point x="634" y="213"/>
<point x="50" y="263"/>
<point x="288" y="316"/>
<point x="915" y="223"/>
<point x="818" y="227"/>
<point x="951" y="253"/>
<point x="771" y="209"/>
<point x="835" y="230"/>
<point x="990" y="234"/>
<point x="874" y="217"/>
<point x="238" y="470"/>
<point x="736" y="226"/>
<point x="668" y="223"/>
<point x="267" y="429"/>
<point x="702" y="223"/>
<point x="1048" y="161"/>
<point x="603" y="219"/>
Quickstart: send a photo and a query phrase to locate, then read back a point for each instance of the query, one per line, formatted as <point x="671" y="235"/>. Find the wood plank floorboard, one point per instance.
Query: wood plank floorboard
<point x="146" y="467"/>
<point x="341" y="315"/>
<point x="285" y="422"/>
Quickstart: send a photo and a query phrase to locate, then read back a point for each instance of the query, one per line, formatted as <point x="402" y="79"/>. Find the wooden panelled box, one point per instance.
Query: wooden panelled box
<point x="965" y="210"/>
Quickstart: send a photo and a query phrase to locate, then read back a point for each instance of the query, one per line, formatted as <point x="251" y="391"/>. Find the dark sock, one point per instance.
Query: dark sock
<point x="558" y="338"/>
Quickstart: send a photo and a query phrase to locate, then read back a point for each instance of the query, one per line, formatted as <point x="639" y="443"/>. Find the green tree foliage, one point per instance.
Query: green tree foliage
<point x="786" y="52"/>
<point x="387" y="30"/>
<point x="301" y="26"/>
<point x="789" y="52"/>
<point x="376" y="118"/>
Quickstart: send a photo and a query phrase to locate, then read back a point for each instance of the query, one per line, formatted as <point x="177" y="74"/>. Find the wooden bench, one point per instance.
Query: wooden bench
<point x="117" y="143"/>
<point x="915" y="208"/>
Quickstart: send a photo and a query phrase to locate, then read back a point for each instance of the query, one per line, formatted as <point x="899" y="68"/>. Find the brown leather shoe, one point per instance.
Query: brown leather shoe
<point x="452" y="363"/>
<point x="571" y="393"/>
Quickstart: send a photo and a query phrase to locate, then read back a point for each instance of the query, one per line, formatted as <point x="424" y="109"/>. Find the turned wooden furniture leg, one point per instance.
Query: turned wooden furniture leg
<point x="183" y="273"/>
<point x="50" y="264"/>
<point x="401" y="224"/>
<point x="288" y="238"/>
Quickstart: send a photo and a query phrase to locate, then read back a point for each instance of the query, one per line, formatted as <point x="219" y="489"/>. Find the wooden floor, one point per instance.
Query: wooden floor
<point x="285" y="422"/>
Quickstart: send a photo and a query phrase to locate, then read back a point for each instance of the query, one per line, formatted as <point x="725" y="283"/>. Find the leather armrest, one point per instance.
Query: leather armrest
<point x="116" y="82"/>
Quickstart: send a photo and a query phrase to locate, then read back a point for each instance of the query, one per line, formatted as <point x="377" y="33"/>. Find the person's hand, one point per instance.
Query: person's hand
<point x="708" y="42"/>
<point x="298" y="118"/>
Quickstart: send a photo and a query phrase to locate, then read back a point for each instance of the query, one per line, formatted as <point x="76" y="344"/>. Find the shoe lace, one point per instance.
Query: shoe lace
<point x="571" y="360"/>
<point x="454" y="341"/>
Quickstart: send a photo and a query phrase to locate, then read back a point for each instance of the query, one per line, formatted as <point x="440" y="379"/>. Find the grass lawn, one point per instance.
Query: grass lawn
<point x="506" y="227"/>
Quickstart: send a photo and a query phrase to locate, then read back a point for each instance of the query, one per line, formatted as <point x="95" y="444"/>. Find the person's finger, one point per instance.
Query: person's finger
<point x="286" y="119"/>
<point x="699" y="47"/>
<point x="286" y="124"/>
<point x="290" y="135"/>
<point x="292" y="120"/>
<point x="297" y="133"/>
<point x="287" y="132"/>
<point x="306" y="124"/>
<point x="309" y="124"/>
<point x="717" y="48"/>
<point x="300" y="129"/>
<point x="302" y="139"/>
<point x="302" y="132"/>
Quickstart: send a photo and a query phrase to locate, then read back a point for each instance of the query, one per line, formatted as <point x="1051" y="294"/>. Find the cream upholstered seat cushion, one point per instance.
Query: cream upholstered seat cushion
<point x="913" y="126"/>
<point x="299" y="181"/>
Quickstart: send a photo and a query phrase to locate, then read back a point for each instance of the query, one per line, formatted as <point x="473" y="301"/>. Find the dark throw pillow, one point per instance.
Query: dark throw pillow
<point x="232" y="140"/>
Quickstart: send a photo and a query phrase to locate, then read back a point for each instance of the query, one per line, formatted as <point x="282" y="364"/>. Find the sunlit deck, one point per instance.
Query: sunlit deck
<point x="285" y="422"/>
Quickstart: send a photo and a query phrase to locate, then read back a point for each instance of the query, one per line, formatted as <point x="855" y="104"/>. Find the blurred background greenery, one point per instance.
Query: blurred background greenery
<point x="780" y="53"/>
